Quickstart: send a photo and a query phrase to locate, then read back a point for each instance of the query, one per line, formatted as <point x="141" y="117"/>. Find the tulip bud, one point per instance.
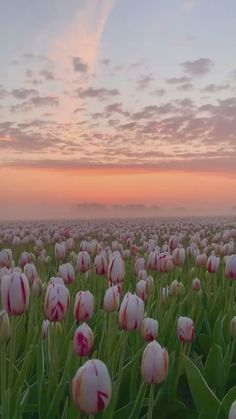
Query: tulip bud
<point x="232" y="412"/>
<point x="100" y="264"/>
<point x="15" y="293"/>
<point x="141" y="289"/>
<point x="149" y="329"/>
<point x="91" y="387"/>
<point x="37" y="287"/>
<point x="149" y="285"/>
<point x="233" y="327"/>
<point x="131" y="312"/>
<point x="25" y="259"/>
<point x="83" y="340"/>
<point x="178" y="255"/>
<point x="60" y="251"/>
<point x="176" y="288"/>
<point x="83" y="261"/>
<point x="30" y="272"/>
<point x="67" y="273"/>
<point x="230" y="268"/>
<point x="116" y="269"/>
<point x="5" y="327"/>
<point x="213" y="263"/>
<point x="6" y="258"/>
<point x="196" y="284"/>
<point x="111" y="300"/>
<point x="84" y="306"/>
<point x="140" y="264"/>
<point x="56" y="303"/>
<point x="186" y="329"/>
<point x="155" y="363"/>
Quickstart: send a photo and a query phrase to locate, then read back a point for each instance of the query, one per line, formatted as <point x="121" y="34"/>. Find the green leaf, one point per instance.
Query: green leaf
<point x="223" y="411"/>
<point x="203" y="396"/>
<point x="139" y="402"/>
<point x="214" y="366"/>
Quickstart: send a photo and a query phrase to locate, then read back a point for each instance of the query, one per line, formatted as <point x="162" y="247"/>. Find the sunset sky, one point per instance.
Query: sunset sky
<point x="117" y="108"/>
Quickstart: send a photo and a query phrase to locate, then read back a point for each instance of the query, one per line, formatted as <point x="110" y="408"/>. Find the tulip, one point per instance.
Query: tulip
<point x="116" y="269"/>
<point x="142" y="274"/>
<point x="150" y="285"/>
<point x="196" y="284"/>
<point x="37" y="287"/>
<point x="15" y="293"/>
<point x="6" y="258"/>
<point x="83" y="261"/>
<point x="131" y="312"/>
<point x="186" y="329"/>
<point x="83" y="340"/>
<point x="57" y="301"/>
<point x="141" y="289"/>
<point x="25" y="259"/>
<point x="67" y="273"/>
<point x="152" y="260"/>
<point x="140" y="264"/>
<point x="5" y="327"/>
<point x="30" y="272"/>
<point x="149" y="329"/>
<point x="178" y="255"/>
<point x="213" y="263"/>
<point x="45" y="328"/>
<point x="111" y="300"/>
<point x="176" y="288"/>
<point x="233" y="327"/>
<point x="230" y="268"/>
<point x="232" y="411"/>
<point x="60" y="251"/>
<point x="84" y="306"/>
<point x="91" y="387"/>
<point x="100" y="264"/>
<point x="155" y="363"/>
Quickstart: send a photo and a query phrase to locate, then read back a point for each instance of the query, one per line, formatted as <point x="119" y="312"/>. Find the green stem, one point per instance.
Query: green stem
<point x="121" y="363"/>
<point x="3" y="373"/>
<point x="12" y="352"/>
<point x="151" y="402"/>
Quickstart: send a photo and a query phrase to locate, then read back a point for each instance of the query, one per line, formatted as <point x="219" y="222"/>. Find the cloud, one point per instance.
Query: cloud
<point x="23" y="93"/>
<point x="115" y="108"/>
<point x="98" y="210"/>
<point x="198" y="67"/>
<point x="79" y="65"/>
<point x="44" y="101"/>
<point x="144" y="82"/>
<point x="47" y="74"/>
<point x="101" y="93"/>
<point x="215" y="88"/>
<point x="178" y="80"/>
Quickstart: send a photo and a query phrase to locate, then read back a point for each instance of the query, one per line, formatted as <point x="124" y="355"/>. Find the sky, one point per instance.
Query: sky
<point x="117" y="108"/>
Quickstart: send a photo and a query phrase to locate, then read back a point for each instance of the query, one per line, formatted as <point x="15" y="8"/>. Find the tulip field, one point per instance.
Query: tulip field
<point x="118" y="319"/>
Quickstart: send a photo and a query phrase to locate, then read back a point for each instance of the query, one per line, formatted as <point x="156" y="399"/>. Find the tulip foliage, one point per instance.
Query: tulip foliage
<point x="118" y="319"/>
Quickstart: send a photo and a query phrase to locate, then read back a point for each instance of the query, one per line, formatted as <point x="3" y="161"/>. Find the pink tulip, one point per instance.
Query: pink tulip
<point x="230" y="268"/>
<point x="213" y="263"/>
<point x="100" y="264"/>
<point x="140" y="264"/>
<point x="91" y="387"/>
<point x="6" y="258"/>
<point x="31" y="272"/>
<point x="60" y="251"/>
<point x="141" y="289"/>
<point x="186" y="329"/>
<point x="57" y="302"/>
<point x="149" y="329"/>
<point x="131" y="312"/>
<point x="15" y="293"/>
<point x="84" y="306"/>
<point x="155" y="363"/>
<point x="201" y="260"/>
<point x="83" y="340"/>
<point x="178" y="255"/>
<point x="196" y="284"/>
<point x="111" y="300"/>
<point x="116" y="269"/>
<point x="25" y="259"/>
<point x="83" y="261"/>
<point x="67" y="273"/>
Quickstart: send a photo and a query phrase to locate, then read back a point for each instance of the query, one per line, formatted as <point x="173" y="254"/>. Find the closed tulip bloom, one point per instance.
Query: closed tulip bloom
<point x="111" y="300"/>
<point x="60" y="251"/>
<point x="84" y="306"/>
<point x="142" y="274"/>
<point x="31" y="272"/>
<point x="213" y="263"/>
<point x="91" y="387"/>
<point x="201" y="260"/>
<point x="100" y="264"/>
<point x="178" y="255"/>
<point x="232" y="412"/>
<point x="5" y="327"/>
<point x="176" y="288"/>
<point x="141" y="289"/>
<point x="150" y="285"/>
<point x="70" y="244"/>
<point x="155" y="363"/>
<point x="15" y="293"/>
<point x="6" y="258"/>
<point x="67" y="273"/>
<point x="37" y="287"/>
<point x="140" y="264"/>
<point x="116" y="269"/>
<point x="196" y="284"/>
<point x="83" y="340"/>
<point x="230" y="268"/>
<point x="83" y="261"/>
<point x="152" y="260"/>
<point x="25" y="258"/>
<point x="233" y="327"/>
<point x="45" y="328"/>
<point x="186" y="329"/>
<point x="149" y="329"/>
<point x="131" y="312"/>
<point x="57" y="302"/>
